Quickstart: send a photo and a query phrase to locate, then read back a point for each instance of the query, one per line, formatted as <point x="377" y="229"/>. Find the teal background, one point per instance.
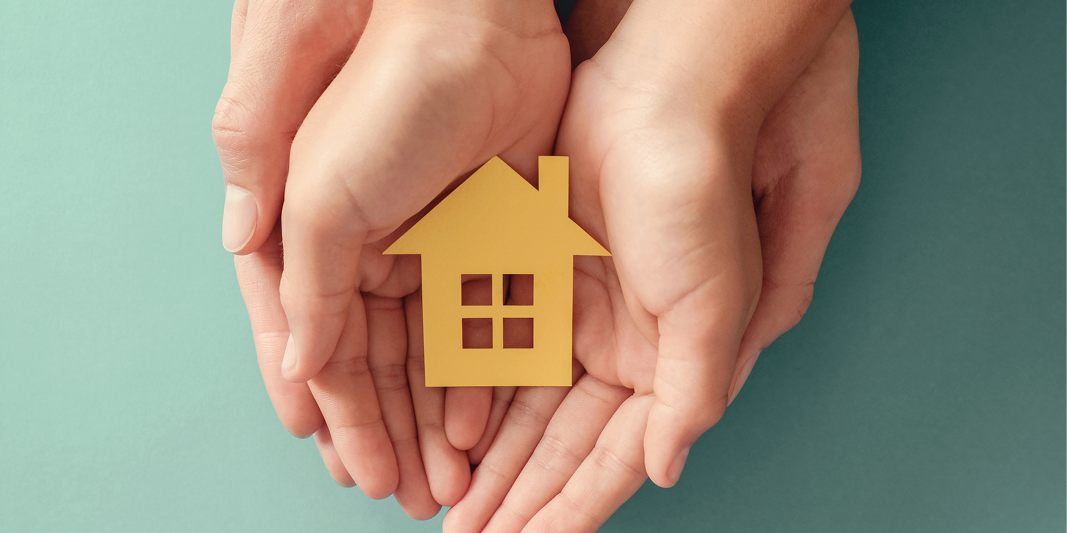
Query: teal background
<point x="924" y="391"/>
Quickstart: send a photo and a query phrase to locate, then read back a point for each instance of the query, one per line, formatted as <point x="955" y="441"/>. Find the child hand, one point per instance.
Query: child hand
<point x="663" y="328"/>
<point x="427" y="92"/>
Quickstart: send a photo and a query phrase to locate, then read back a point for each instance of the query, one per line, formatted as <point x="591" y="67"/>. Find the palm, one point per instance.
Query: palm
<point x="607" y="342"/>
<point x="642" y="182"/>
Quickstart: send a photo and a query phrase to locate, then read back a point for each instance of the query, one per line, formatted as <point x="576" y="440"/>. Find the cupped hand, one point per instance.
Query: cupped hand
<point x="717" y="230"/>
<point x="358" y="118"/>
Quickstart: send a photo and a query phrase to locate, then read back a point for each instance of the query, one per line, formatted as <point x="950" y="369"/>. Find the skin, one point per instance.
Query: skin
<point x="571" y="466"/>
<point x="379" y="111"/>
<point x="663" y="344"/>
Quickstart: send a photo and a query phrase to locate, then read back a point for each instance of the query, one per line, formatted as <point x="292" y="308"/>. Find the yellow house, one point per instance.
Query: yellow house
<point x="496" y="223"/>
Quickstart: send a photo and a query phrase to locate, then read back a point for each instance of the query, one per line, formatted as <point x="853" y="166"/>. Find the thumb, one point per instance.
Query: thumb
<point x="375" y="149"/>
<point x="281" y="62"/>
<point x="698" y="344"/>
<point x="692" y="260"/>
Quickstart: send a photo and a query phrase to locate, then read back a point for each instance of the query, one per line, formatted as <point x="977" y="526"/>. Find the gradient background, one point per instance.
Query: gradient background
<point x="924" y="391"/>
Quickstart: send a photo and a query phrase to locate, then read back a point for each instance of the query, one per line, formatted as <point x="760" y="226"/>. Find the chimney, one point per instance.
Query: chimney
<point x="553" y="183"/>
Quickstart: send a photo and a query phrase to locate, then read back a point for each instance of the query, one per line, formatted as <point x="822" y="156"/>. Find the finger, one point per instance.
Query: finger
<point x="611" y="473"/>
<point x="258" y="275"/>
<point x="283" y="56"/>
<point x="345" y="392"/>
<point x="330" y="458"/>
<point x="447" y="469"/>
<point x="467" y="408"/>
<point x="502" y="397"/>
<point x="800" y="204"/>
<point x="518" y="291"/>
<point x="522" y="428"/>
<point x="570" y="437"/>
<point x="466" y="414"/>
<point x="698" y="344"/>
<point x="387" y="358"/>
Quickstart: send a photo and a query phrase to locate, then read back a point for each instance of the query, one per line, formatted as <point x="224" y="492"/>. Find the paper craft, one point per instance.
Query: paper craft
<point x="497" y="224"/>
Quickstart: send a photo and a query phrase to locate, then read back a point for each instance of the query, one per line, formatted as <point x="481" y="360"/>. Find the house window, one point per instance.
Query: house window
<point x="491" y="313"/>
<point x="520" y="290"/>
<point x="518" y="332"/>
<point x="477" y="289"/>
<point x="477" y="333"/>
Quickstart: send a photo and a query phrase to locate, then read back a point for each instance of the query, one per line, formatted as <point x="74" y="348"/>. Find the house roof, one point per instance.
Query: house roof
<point x="497" y="212"/>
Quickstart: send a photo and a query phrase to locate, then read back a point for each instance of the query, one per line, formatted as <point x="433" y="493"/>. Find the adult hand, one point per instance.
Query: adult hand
<point x="360" y="118"/>
<point x="702" y="207"/>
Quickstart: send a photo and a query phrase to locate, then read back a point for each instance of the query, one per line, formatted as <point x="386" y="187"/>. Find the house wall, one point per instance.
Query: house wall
<point x="449" y="364"/>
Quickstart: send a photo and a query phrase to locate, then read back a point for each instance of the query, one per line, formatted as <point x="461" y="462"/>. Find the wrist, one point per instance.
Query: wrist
<point x="725" y="60"/>
<point x="525" y="18"/>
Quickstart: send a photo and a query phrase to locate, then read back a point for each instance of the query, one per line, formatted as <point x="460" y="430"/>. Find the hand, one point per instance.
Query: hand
<point x="662" y="329"/>
<point x="384" y="108"/>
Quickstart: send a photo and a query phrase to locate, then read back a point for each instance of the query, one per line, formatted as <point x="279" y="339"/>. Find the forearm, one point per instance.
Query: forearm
<point x="731" y="58"/>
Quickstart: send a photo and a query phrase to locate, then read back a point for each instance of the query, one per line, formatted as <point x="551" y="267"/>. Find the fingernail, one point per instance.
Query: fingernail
<point x="675" y="470"/>
<point x="742" y="377"/>
<point x="289" y="359"/>
<point x="238" y="218"/>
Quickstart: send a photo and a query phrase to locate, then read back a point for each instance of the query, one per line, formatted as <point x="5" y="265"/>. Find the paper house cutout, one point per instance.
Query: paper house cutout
<point x="497" y="223"/>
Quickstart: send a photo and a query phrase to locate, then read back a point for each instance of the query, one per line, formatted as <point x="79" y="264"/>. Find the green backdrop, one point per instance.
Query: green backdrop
<point x="924" y="391"/>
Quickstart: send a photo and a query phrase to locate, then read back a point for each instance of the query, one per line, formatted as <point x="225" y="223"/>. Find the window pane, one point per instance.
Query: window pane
<point x="478" y="332"/>
<point x="477" y="289"/>
<point x="518" y="333"/>
<point x="520" y="290"/>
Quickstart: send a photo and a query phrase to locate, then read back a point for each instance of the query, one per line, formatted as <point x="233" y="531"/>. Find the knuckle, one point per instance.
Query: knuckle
<point x="602" y="392"/>
<point x="511" y="514"/>
<point x="498" y="471"/>
<point x="711" y="413"/>
<point x="314" y="303"/>
<point x="349" y="428"/>
<point x="346" y="369"/>
<point x="268" y="344"/>
<point x="378" y="303"/>
<point x="286" y="294"/>
<point x="526" y="415"/>
<point x="416" y="366"/>
<point x="358" y="209"/>
<point x="697" y="415"/>
<point x="576" y="508"/>
<point x="405" y="442"/>
<point x="841" y="186"/>
<point x="805" y="294"/>
<point x="427" y="426"/>
<point x="234" y="127"/>
<point x="323" y="212"/>
<point x="606" y="460"/>
<point x="794" y="300"/>
<point x="500" y="402"/>
<point x="390" y="377"/>
<point x="554" y="455"/>
<point x="846" y="189"/>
